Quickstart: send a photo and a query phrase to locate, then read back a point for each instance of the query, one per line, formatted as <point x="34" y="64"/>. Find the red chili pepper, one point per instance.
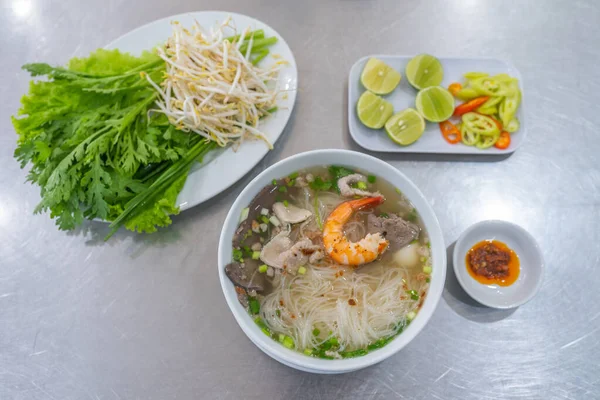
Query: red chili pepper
<point x="503" y="141"/>
<point x="470" y="106"/>
<point x="450" y="132"/>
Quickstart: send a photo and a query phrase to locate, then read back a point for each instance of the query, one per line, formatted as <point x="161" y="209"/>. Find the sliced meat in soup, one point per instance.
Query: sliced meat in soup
<point x="396" y="230"/>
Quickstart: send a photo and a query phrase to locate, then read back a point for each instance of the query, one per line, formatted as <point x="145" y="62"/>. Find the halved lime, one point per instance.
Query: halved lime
<point x="405" y="127"/>
<point x="435" y="104"/>
<point x="378" y="77"/>
<point x="373" y="111"/>
<point x="424" y="71"/>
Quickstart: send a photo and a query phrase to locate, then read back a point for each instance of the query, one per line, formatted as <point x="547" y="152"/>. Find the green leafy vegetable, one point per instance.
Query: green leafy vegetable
<point x="94" y="148"/>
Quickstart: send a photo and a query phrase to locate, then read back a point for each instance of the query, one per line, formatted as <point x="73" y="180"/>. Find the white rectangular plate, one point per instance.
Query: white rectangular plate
<point x="404" y="97"/>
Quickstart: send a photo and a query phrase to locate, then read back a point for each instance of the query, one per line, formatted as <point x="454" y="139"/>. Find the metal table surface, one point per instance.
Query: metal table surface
<point x="143" y="317"/>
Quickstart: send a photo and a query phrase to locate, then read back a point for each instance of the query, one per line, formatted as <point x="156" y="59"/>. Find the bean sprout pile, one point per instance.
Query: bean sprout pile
<point x="212" y="86"/>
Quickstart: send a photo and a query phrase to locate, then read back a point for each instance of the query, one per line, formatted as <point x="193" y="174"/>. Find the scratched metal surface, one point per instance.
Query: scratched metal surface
<point x="144" y="318"/>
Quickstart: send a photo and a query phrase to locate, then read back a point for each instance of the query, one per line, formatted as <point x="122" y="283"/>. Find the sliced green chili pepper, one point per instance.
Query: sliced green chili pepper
<point x="508" y="108"/>
<point x="468" y="137"/>
<point x="466" y="94"/>
<point x="512" y="126"/>
<point x="481" y="124"/>
<point x="485" y="142"/>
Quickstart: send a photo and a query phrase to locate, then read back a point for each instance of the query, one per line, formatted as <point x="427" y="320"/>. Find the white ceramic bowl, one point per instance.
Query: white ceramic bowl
<point x="354" y="160"/>
<point x="530" y="258"/>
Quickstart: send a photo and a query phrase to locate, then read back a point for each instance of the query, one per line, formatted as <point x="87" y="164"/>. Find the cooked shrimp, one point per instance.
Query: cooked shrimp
<point x="342" y="250"/>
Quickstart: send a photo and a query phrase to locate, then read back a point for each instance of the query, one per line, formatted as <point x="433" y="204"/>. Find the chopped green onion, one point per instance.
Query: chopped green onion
<point x="316" y="332"/>
<point x="261" y="54"/>
<point x="288" y="342"/>
<point x="263" y="327"/>
<point x="244" y="214"/>
<point x="427" y="280"/>
<point x="291" y="183"/>
<point x="302" y="270"/>
<point x="282" y="189"/>
<point x="285" y="203"/>
<point x="334" y="341"/>
<point x="281" y="337"/>
<point x="384" y="215"/>
<point x="422" y="259"/>
<point x="263" y="268"/>
<point x="411" y="315"/>
<point x="255" y="255"/>
<point x="274" y="182"/>
<point x="355" y="353"/>
<point x="413" y="294"/>
<point x="293" y="175"/>
<point x="254" y="305"/>
<point x="308" y="352"/>
<point x="238" y="255"/>
<point x="427" y="269"/>
<point x="371" y="178"/>
<point x="361" y="185"/>
<point x="264" y="219"/>
<point x="414" y="241"/>
<point x="278" y="313"/>
<point x="398" y="191"/>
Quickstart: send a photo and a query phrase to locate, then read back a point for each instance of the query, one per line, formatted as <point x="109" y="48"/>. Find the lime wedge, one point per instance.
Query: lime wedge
<point x="424" y="71"/>
<point x="435" y="104"/>
<point x="378" y="77"/>
<point x="405" y="127"/>
<point x="373" y="111"/>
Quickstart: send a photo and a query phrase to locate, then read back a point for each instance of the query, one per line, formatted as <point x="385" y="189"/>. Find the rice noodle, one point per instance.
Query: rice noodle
<point x="320" y="299"/>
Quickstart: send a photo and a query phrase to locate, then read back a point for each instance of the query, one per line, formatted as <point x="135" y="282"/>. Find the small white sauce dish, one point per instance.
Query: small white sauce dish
<point x="523" y="244"/>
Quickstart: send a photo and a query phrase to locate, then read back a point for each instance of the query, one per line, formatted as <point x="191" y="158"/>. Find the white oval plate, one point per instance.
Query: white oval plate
<point x="223" y="168"/>
<point x="530" y="257"/>
<point x="404" y="97"/>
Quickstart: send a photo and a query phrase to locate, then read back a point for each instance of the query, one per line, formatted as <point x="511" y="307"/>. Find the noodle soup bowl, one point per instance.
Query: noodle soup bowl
<point x="364" y="163"/>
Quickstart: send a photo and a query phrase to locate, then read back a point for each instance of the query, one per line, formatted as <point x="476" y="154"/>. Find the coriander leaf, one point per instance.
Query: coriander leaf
<point x="319" y="184"/>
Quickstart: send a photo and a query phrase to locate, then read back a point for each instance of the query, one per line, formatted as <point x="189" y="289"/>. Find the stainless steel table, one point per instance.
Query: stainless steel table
<point x="143" y="317"/>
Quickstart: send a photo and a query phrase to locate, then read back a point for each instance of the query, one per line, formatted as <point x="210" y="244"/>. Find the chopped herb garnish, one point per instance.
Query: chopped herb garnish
<point x="413" y="294"/>
<point x="293" y="175"/>
<point x="398" y="191"/>
<point x="254" y="305"/>
<point x="412" y="215"/>
<point x="238" y="255"/>
<point x="247" y="235"/>
<point x="282" y="189"/>
<point x="372" y="178"/>
<point x="355" y="353"/>
<point x="427" y="280"/>
<point x="338" y="172"/>
<point x="316" y="332"/>
<point x="278" y="313"/>
<point x="264" y="219"/>
<point x="285" y="203"/>
<point x="291" y="183"/>
<point x="274" y="182"/>
<point x="361" y="185"/>
<point x="319" y="184"/>
<point x="384" y="215"/>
